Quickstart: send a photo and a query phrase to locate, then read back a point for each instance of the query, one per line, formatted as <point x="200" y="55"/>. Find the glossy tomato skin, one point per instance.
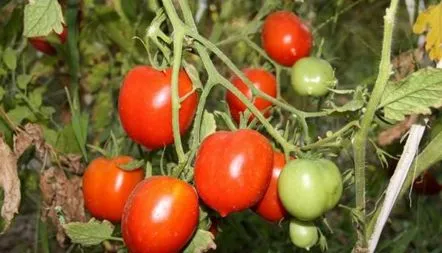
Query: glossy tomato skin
<point x="300" y="187"/>
<point x="303" y="234"/>
<point x="286" y="38"/>
<point x="233" y="170"/>
<point x="42" y="45"/>
<point x="270" y="206"/>
<point x="312" y="76"/>
<point x="160" y="215"/>
<point x="106" y="187"/>
<point x="333" y="183"/>
<point x="262" y="80"/>
<point x="145" y="106"/>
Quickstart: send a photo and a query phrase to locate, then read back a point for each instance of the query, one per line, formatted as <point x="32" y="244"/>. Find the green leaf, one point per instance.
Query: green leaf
<point x="132" y="165"/>
<point x="208" y="125"/>
<point x="23" y="81"/>
<point x="204" y="220"/>
<point x="413" y="95"/>
<point x="355" y="104"/>
<point x="10" y="58"/>
<point x="18" y="114"/>
<point x="66" y="141"/>
<point x="92" y="233"/>
<point x="50" y="135"/>
<point x="3" y="72"/>
<point x="2" y="93"/>
<point x="36" y="97"/>
<point x="202" y="241"/>
<point x="47" y="111"/>
<point x="41" y="17"/>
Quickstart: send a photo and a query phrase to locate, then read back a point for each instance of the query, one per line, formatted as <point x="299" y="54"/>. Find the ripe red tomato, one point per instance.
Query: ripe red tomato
<point x="270" y="206"/>
<point x="261" y="79"/>
<point x="160" y="215"/>
<point x="286" y="38"/>
<point x="106" y="187"/>
<point x="42" y="45"/>
<point x="145" y="105"/>
<point x="427" y="184"/>
<point x="233" y="170"/>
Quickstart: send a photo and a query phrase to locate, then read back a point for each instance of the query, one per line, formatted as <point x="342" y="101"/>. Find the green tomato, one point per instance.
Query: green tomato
<point x="332" y="183"/>
<point x="303" y="234"/>
<point x="301" y="189"/>
<point x="312" y="76"/>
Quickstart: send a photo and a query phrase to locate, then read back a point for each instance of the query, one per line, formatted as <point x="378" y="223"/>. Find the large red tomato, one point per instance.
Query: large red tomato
<point x="160" y="215"/>
<point x="106" y="187"/>
<point x="286" y="38"/>
<point x="233" y="170"/>
<point x="261" y="79"/>
<point x="42" y="45"/>
<point x="145" y="105"/>
<point x="270" y="206"/>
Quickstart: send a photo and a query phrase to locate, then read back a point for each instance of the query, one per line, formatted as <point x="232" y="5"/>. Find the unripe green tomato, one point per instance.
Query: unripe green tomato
<point x="302" y="190"/>
<point x="332" y="183"/>
<point x="312" y="76"/>
<point x="303" y="234"/>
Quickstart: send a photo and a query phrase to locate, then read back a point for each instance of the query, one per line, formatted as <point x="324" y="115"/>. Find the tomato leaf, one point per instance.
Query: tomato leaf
<point x="10" y="58"/>
<point x="208" y="125"/>
<point x="355" y="104"/>
<point x="132" y="165"/>
<point x="202" y="241"/>
<point x="41" y="17"/>
<point x="20" y="113"/>
<point x="413" y="95"/>
<point x="23" y="81"/>
<point x="91" y="233"/>
<point x="430" y="20"/>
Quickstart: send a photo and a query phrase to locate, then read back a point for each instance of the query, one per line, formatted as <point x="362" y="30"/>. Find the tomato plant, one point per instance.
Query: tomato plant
<point x="285" y="38"/>
<point x="145" y="107"/>
<point x="303" y="234"/>
<point x="270" y="206"/>
<point x="160" y="215"/>
<point x="233" y="170"/>
<point x="262" y="80"/>
<point x="308" y="188"/>
<point x="312" y="77"/>
<point x="106" y="187"/>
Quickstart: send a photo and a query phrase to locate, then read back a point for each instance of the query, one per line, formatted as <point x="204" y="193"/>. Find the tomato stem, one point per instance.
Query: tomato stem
<point x="360" y="139"/>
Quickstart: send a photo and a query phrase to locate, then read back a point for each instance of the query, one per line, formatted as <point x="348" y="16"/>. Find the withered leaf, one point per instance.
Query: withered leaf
<point x="10" y="183"/>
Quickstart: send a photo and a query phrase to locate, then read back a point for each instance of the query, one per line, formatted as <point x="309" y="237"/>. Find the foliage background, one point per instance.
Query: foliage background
<point x="350" y="33"/>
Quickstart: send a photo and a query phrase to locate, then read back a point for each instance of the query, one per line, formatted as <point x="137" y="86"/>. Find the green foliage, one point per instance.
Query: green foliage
<point x="91" y="233"/>
<point x="41" y="17"/>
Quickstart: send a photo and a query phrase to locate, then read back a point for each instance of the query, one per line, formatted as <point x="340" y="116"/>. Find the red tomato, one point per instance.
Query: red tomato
<point x="145" y="105"/>
<point x="106" y="187"/>
<point x="261" y="79"/>
<point x="233" y="170"/>
<point x="42" y="45"/>
<point x="160" y="215"/>
<point x="427" y="184"/>
<point x="286" y="38"/>
<point x="270" y="206"/>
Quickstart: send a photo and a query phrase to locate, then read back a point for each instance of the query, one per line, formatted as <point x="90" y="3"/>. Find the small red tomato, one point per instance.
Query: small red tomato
<point x="233" y="170"/>
<point x="160" y="215"/>
<point x="270" y="206"/>
<point x="427" y="184"/>
<point x="262" y="80"/>
<point x="145" y="105"/>
<point x="42" y="45"/>
<point x="286" y="38"/>
<point x="106" y="187"/>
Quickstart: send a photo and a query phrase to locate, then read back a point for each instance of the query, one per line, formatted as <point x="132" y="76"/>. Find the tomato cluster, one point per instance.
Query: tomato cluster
<point x="233" y="170"/>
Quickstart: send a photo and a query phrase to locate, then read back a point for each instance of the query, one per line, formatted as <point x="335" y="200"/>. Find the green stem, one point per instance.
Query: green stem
<point x="359" y="143"/>
<point x="177" y="53"/>
<point x="335" y="135"/>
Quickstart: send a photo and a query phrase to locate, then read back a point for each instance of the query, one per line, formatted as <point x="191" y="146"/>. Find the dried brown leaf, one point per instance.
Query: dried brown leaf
<point x="10" y="183"/>
<point x="72" y="163"/>
<point x="394" y="133"/>
<point x="32" y="134"/>
<point x="59" y="190"/>
<point x="406" y="63"/>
